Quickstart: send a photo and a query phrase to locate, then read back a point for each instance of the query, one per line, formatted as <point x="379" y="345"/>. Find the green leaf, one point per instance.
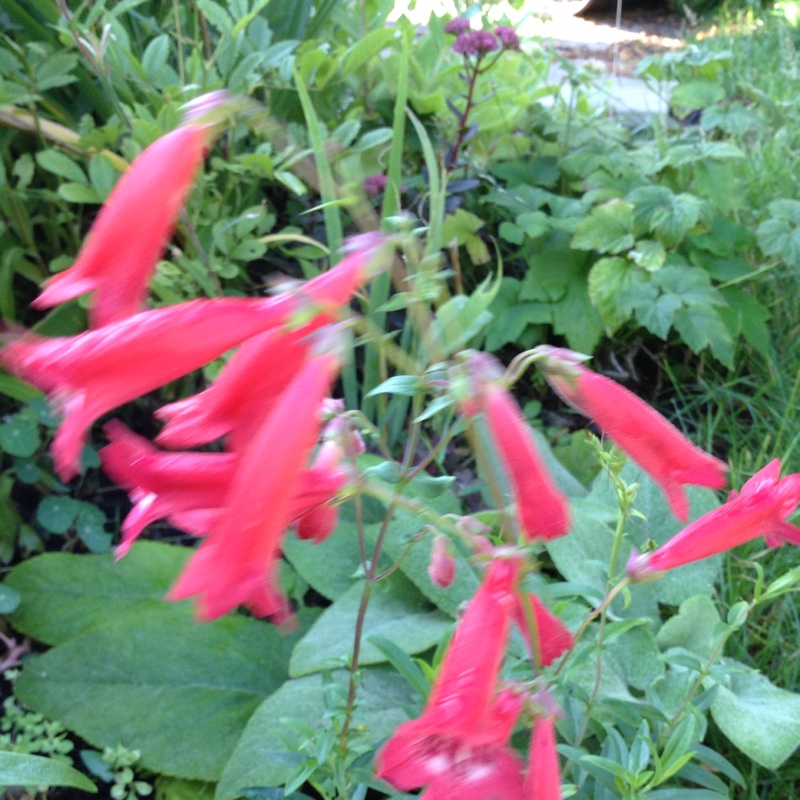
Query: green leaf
<point x="62" y="165"/>
<point x="9" y="602"/>
<point x="695" y="94"/>
<point x="511" y="316"/>
<point x="19" y="437"/>
<point x="607" y="229"/>
<point x="78" y="193"/>
<point x="534" y="223"/>
<point x="658" y="316"/>
<point x="589" y="544"/>
<point x="701" y="327"/>
<point x="57" y="513"/>
<point x="398" y="384"/>
<point x="760" y="719"/>
<point x="181" y="692"/>
<point x="154" y="58"/>
<point x="744" y="314"/>
<point x="649" y="255"/>
<point x="462" y="227"/>
<point x="64" y="594"/>
<point x="216" y="15"/>
<point x="672" y="222"/>
<point x="609" y="279"/>
<point x="262" y="756"/>
<point x="692" y="628"/>
<point x="23" y="769"/>
<point x="367" y="48"/>
<point x="396" y="611"/>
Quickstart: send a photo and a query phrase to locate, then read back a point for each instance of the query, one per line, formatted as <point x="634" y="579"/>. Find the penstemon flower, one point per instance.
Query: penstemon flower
<point x="761" y="509"/>
<point x="458" y="747"/>
<point x="543" y="778"/>
<point x="237" y="562"/>
<point x="132" y="229"/>
<point x="553" y="638"/>
<point x="659" y="448"/>
<point x="94" y="372"/>
<point x="541" y="509"/>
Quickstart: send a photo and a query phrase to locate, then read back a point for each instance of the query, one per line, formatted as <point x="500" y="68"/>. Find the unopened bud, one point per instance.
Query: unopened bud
<point x="442" y="567"/>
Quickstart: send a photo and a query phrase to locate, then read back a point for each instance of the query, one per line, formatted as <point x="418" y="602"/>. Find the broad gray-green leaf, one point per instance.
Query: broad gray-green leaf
<point x="609" y="278"/>
<point x="396" y="611"/>
<point x="579" y="555"/>
<point x="177" y="691"/>
<point x="692" y="628"/>
<point x="23" y="769"/>
<point x="762" y="720"/>
<point x="65" y="594"/>
<point x="262" y="756"/>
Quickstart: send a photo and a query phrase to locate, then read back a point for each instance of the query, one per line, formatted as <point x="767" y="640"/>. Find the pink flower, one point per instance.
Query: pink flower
<point x="659" y="448"/>
<point x="132" y="229"/>
<point x="553" y="638"/>
<point x="508" y="37"/>
<point x="237" y="562"/>
<point x="475" y="43"/>
<point x="457" y="26"/>
<point x="543" y="779"/>
<point x="442" y="566"/>
<point x="765" y="503"/>
<point x="457" y="748"/>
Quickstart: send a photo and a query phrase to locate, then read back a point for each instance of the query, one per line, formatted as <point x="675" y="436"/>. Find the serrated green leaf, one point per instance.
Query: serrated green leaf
<point x="462" y="227"/>
<point x="216" y="15"/>
<point x="607" y="229"/>
<point x="609" y="279"/>
<point x="701" y="327"/>
<point x="672" y="222"/>
<point x="23" y="769"/>
<point x="649" y="255"/>
<point x="659" y="315"/>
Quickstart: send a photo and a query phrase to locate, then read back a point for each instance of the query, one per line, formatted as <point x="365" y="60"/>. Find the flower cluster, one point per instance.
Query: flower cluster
<point x="267" y="404"/>
<point x="459" y="747"/>
<point x="480" y="42"/>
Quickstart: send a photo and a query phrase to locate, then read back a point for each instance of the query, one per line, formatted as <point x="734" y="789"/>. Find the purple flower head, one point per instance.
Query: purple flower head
<point x="507" y="36"/>
<point x="374" y="184"/>
<point x="457" y="26"/>
<point x="475" y="43"/>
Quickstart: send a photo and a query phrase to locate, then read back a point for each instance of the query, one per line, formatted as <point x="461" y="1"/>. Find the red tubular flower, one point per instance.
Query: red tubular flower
<point x="247" y="387"/>
<point x="237" y="563"/>
<point x="162" y="483"/>
<point x="132" y="229"/>
<point x="543" y="779"/>
<point x="457" y="748"/>
<point x="553" y="637"/>
<point x="659" y="448"/>
<point x="765" y="503"/>
<point x="542" y="509"/>
<point x="94" y="372"/>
